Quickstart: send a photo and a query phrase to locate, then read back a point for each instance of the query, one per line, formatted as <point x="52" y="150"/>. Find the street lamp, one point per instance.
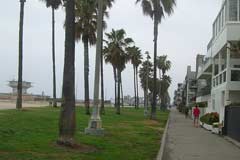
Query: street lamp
<point x="95" y="122"/>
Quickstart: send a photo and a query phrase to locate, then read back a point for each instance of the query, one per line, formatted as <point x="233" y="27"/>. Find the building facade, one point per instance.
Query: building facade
<point x="218" y="72"/>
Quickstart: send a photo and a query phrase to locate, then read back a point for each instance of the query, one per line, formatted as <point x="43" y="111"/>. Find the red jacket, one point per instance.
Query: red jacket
<point x="196" y="112"/>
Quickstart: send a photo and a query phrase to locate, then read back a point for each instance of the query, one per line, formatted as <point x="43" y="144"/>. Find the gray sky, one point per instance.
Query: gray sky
<point x="181" y="36"/>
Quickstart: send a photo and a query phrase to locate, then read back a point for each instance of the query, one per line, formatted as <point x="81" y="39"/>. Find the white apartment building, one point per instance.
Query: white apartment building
<point x="218" y="72"/>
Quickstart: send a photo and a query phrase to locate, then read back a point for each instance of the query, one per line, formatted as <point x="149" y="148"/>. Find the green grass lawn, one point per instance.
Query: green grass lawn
<point x="31" y="135"/>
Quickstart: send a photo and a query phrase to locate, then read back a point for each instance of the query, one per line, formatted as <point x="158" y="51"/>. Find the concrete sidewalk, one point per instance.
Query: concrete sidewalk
<point x="185" y="142"/>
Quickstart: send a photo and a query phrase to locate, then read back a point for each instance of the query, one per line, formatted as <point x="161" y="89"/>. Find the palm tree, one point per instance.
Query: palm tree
<point x="156" y="9"/>
<point x="67" y="121"/>
<point x="165" y="83"/>
<point x="20" y="57"/>
<point x="54" y="4"/>
<point x="106" y="4"/>
<point x="136" y="59"/>
<point x="163" y="65"/>
<point x="86" y="27"/>
<point x="145" y="73"/>
<point x="115" y="53"/>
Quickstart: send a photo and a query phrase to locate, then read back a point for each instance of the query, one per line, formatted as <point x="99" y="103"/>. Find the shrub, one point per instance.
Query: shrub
<point x="210" y="118"/>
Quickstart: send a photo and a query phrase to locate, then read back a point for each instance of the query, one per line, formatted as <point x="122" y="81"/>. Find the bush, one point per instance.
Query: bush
<point x="210" y="118"/>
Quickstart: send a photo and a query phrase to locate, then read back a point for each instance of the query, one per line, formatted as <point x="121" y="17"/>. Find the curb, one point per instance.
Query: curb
<point x="234" y="142"/>
<point x="163" y="140"/>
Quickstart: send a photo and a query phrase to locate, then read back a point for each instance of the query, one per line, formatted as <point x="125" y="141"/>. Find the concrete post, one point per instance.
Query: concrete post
<point x="228" y="74"/>
<point x="213" y="71"/>
<point x="228" y="69"/>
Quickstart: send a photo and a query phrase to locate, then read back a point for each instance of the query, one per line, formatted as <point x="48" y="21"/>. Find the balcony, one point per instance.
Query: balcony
<point x="205" y="70"/>
<point x="204" y="91"/>
<point x="193" y="84"/>
<point x="204" y="94"/>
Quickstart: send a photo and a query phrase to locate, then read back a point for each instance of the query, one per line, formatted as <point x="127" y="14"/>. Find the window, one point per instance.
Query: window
<point x="224" y="76"/>
<point x="235" y="75"/>
<point x="236" y="66"/>
<point x="220" y="79"/>
<point x="221" y="18"/>
<point x="224" y="14"/>
<point x="214" y="30"/>
<point x="238" y="10"/>
<point x="233" y="10"/>
<point x="219" y="23"/>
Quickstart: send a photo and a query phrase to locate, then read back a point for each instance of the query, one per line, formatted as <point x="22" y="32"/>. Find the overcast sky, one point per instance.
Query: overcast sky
<point x="181" y="36"/>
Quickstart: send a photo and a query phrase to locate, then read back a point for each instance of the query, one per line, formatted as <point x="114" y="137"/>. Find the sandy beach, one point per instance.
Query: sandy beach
<point x="12" y="104"/>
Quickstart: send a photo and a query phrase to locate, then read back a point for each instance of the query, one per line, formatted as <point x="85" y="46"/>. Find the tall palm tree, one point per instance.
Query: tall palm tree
<point x="156" y="9"/>
<point x="86" y="27"/>
<point x="67" y="121"/>
<point x="106" y="4"/>
<point x="136" y="59"/>
<point x="115" y="53"/>
<point x="54" y="4"/>
<point x="20" y="57"/>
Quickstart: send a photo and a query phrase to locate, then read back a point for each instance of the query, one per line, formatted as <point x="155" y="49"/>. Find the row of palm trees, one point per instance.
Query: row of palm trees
<point x="81" y="24"/>
<point x="163" y="81"/>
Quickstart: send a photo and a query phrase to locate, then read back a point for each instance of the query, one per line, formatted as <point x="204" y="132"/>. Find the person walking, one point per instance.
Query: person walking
<point x="196" y="113"/>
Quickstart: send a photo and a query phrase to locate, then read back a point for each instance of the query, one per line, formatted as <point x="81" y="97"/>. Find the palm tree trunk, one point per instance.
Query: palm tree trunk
<point x="147" y="86"/>
<point x="137" y="87"/>
<point x="122" y="92"/>
<point x="115" y="86"/>
<point x="135" y="96"/>
<point x="145" y="102"/>
<point x="160" y="97"/>
<point x="102" y="109"/>
<point x="119" y="85"/>
<point x="53" y="58"/>
<point x="86" y="76"/>
<point x="67" y="121"/>
<point x="153" y="110"/>
<point x="20" y="57"/>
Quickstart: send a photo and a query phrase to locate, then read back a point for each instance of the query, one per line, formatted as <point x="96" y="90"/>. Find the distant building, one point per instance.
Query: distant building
<point x="14" y="84"/>
<point x="25" y="95"/>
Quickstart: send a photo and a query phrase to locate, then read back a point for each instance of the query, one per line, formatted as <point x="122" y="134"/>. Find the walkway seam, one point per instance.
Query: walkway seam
<point x="163" y="140"/>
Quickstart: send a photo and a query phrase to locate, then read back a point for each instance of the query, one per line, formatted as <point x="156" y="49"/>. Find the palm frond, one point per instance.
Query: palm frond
<point x="168" y="6"/>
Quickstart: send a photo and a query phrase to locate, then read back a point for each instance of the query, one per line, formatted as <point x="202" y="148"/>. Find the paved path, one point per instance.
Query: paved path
<point x="184" y="142"/>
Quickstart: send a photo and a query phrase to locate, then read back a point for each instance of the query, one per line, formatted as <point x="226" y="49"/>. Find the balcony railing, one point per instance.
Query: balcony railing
<point x="204" y="91"/>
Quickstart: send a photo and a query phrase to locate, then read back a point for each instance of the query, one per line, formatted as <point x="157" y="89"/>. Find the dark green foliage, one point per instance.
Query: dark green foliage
<point x="53" y="3"/>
